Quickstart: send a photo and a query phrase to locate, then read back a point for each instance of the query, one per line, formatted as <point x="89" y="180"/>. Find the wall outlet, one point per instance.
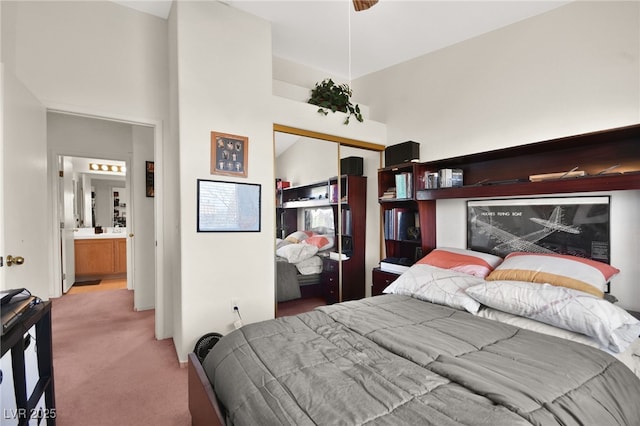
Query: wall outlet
<point x="235" y="303"/>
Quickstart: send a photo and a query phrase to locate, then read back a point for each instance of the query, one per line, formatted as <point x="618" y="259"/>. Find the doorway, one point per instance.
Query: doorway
<point x="94" y="205"/>
<point x="73" y="135"/>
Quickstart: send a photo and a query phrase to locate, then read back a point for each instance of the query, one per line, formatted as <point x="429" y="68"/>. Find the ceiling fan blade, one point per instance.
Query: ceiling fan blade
<point x="360" y="5"/>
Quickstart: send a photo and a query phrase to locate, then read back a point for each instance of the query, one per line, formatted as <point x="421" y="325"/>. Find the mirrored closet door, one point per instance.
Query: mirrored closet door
<point x="324" y="241"/>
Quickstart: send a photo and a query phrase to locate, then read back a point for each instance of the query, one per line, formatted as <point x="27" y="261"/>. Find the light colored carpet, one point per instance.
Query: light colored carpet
<point x="108" y="367"/>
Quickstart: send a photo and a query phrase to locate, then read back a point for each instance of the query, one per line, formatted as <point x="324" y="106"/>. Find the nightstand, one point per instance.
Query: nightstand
<point x="381" y="280"/>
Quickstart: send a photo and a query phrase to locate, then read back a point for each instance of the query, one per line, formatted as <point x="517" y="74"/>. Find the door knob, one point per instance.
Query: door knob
<point x="18" y="260"/>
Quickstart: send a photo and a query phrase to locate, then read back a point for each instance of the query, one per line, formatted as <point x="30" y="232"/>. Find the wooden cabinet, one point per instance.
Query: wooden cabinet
<point x="120" y="246"/>
<point x="331" y="280"/>
<point x="381" y="280"/>
<point x="101" y="257"/>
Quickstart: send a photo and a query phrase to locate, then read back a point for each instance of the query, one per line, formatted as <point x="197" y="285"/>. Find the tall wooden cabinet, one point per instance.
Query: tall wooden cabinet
<point x="343" y="278"/>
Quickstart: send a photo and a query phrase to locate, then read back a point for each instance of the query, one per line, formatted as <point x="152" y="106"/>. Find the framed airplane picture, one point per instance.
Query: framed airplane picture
<point x="578" y="226"/>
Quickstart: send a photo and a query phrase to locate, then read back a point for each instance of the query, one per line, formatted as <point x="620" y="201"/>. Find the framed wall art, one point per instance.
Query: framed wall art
<point x="229" y="154"/>
<point x="577" y="226"/>
<point x="149" y="178"/>
<point x="228" y="206"/>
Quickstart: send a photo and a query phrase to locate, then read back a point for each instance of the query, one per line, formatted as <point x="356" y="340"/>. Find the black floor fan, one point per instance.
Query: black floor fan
<point x="204" y="345"/>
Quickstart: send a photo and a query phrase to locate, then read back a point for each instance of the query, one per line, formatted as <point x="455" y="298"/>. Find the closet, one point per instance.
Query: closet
<point x="312" y="196"/>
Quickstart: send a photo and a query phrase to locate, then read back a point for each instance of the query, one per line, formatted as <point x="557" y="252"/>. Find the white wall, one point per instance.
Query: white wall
<point x="102" y="59"/>
<point x="224" y="85"/>
<point x="570" y="71"/>
<point x="308" y="161"/>
<point x="96" y="55"/>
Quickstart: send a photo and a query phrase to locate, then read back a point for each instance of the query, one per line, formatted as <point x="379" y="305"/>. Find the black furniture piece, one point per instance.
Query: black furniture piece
<point x="14" y="341"/>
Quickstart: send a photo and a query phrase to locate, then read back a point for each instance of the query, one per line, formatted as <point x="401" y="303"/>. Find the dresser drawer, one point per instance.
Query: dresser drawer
<point x="330" y="279"/>
<point x="381" y="280"/>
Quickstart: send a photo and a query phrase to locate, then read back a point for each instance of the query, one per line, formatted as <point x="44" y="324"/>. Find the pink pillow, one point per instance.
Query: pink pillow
<point x="323" y="242"/>
<point x="468" y="261"/>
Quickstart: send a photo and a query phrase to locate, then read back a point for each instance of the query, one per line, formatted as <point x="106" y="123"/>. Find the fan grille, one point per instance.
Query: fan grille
<point x="204" y="345"/>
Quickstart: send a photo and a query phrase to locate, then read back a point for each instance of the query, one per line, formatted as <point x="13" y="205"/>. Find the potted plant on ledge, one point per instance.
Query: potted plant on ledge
<point x="335" y="97"/>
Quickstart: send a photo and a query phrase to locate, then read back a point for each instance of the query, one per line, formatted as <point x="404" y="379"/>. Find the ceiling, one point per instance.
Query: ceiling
<point x="330" y="36"/>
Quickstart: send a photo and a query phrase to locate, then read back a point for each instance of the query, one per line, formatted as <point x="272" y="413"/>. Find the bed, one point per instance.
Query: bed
<point x="454" y="341"/>
<point x="299" y="264"/>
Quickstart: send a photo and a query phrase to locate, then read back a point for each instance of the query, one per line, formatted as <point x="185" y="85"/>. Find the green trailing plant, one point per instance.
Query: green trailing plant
<point x="335" y="97"/>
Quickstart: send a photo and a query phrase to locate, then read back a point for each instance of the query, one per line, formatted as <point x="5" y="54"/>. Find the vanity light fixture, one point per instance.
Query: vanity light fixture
<point x="112" y="168"/>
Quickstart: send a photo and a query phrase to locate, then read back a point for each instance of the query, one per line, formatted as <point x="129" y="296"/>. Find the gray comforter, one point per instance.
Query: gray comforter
<point x="394" y="360"/>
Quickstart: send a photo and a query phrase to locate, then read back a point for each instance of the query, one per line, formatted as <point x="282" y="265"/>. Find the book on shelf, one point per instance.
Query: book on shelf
<point x="390" y="193"/>
<point x="404" y="185"/>
<point x="397" y="222"/>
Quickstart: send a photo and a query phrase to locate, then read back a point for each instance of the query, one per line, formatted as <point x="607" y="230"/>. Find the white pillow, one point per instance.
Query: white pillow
<point x="613" y="327"/>
<point x="436" y="285"/>
<point x="313" y="265"/>
<point x="295" y="253"/>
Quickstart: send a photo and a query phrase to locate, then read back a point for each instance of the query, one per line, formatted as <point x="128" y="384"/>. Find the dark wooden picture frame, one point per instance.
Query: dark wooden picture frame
<point x="229" y="154"/>
<point x="149" y="178"/>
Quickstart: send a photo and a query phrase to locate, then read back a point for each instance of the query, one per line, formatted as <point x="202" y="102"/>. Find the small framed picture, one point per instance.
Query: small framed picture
<point x="229" y="154"/>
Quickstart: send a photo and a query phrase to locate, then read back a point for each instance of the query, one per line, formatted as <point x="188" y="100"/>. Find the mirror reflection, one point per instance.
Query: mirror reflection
<point x="99" y="192"/>
<point x="327" y="228"/>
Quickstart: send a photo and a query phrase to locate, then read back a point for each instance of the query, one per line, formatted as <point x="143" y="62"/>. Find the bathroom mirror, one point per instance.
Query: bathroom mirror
<point x="99" y="191"/>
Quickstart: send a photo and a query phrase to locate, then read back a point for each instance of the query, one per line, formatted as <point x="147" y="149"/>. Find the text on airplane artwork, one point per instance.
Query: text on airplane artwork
<point x="501" y="213"/>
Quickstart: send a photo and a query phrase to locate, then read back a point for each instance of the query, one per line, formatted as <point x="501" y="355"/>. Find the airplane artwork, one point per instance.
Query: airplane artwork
<point x="527" y="243"/>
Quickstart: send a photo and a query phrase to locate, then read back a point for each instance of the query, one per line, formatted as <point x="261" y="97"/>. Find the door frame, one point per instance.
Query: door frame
<point x="55" y="289"/>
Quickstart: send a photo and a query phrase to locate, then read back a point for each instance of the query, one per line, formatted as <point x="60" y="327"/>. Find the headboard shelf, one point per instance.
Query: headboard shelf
<point x="609" y="158"/>
<point x="611" y="182"/>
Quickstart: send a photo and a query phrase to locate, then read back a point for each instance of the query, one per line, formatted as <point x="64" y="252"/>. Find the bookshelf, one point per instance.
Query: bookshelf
<point x="400" y="212"/>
